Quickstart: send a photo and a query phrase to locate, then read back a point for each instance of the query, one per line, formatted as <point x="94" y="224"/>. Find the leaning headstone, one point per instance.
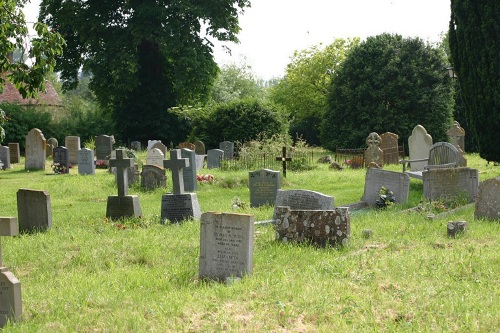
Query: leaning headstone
<point x="488" y="200"/>
<point x="226" y="245"/>
<point x="419" y="146"/>
<point x="373" y="154"/>
<point x="53" y="142"/>
<point x="160" y="146"/>
<point x="389" y="146"/>
<point x="303" y="200"/>
<point x="136" y="145"/>
<point x="451" y="183"/>
<point x="199" y="148"/>
<point x="457" y="135"/>
<point x="214" y="157"/>
<point x="34" y="211"/>
<point x="397" y="182"/>
<point x="35" y="150"/>
<point x="73" y="144"/>
<point x="151" y="143"/>
<point x="61" y="159"/>
<point x="319" y="227"/>
<point x="263" y="184"/>
<point x="189" y="172"/>
<point x="153" y="176"/>
<point x="155" y="157"/>
<point x="103" y="147"/>
<point x="455" y="229"/>
<point x="86" y="164"/>
<point x="15" y="152"/>
<point x="122" y="205"/>
<point x="187" y="145"/>
<point x="5" y="157"/>
<point x="228" y="148"/>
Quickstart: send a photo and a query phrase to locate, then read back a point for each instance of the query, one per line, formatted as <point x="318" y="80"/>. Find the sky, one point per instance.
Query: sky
<point x="271" y="30"/>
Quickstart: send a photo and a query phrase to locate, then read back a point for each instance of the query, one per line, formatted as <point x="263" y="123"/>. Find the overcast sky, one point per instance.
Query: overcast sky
<point x="273" y="29"/>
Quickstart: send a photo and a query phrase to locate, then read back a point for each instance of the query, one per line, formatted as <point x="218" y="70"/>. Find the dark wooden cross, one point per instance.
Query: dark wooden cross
<point x="122" y="163"/>
<point x="283" y="159"/>
<point x="176" y="164"/>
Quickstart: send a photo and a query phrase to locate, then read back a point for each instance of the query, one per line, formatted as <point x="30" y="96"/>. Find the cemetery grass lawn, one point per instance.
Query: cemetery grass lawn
<point x="90" y="274"/>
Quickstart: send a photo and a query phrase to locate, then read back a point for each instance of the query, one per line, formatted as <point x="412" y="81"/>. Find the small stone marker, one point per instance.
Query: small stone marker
<point x="15" y="152"/>
<point x="155" y="157"/>
<point x="488" y="200"/>
<point x="103" y="147"/>
<point x="86" y="164"/>
<point x="283" y="159"/>
<point x="214" y="157"/>
<point x="303" y="200"/>
<point x="419" y="145"/>
<point x="189" y="172"/>
<point x="226" y="245"/>
<point x="61" y="156"/>
<point x="136" y="145"/>
<point x="153" y="176"/>
<point x="263" y="184"/>
<point x="73" y="145"/>
<point x="397" y="182"/>
<point x="373" y="154"/>
<point x="199" y="148"/>
<point x="5" y="157"/>
<point x="228" y="148"/>
<point x="367" y="233"/>
<point x="34" y="210"/>
<point x="160" y="146"/>
<point x="122" y="205"/>
<point x="451" y="183"/>
<point x="455" y="229"/>
<point x="35" y="146"/>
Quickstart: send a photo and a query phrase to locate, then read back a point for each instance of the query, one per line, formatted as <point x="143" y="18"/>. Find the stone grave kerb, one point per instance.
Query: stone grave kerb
<point x="283" y="159"/>
<point x="176" y="164"/>
<point x="121" y="163"/>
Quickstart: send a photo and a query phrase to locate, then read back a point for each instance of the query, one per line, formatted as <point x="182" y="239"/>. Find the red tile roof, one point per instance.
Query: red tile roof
<point x="47" y="98"/>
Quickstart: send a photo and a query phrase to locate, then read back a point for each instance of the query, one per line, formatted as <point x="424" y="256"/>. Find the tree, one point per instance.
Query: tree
<point x="304" y="89"/>
<point x="145" y="56"/>
<point x="473" y="38"/>
<point x="388" y="83"/>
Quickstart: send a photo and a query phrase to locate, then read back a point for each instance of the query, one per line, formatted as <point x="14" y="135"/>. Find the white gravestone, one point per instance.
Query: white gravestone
<point x="419" y="145"/>
<point x="155" y="157"/>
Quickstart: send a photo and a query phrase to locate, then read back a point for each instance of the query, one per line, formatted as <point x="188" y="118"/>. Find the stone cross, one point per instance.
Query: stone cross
<point x="176" y="164"/>
<point x="283" y="159"/>
<point x="121" y="163"/>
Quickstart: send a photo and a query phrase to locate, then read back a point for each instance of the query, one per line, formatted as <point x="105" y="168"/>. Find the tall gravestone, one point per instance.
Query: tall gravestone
<point x="34" y="211"/>
<point x="303" y="200"/>
<point x="397" y="182"/>
<point x="5" y="157"/>
<point x="451" y="183"/>
<point x="263" y="184"/>
<point x="488" y="200"/>
<point x="35" y="150"/>
<point x="226" y="245"/>
<point x="103" y="147"/>
<point x="189" y="172"/>
<point x="214" y="157"/>
<point x="61" y="157"/>
<point x="153" y="176"/>
<point x="73" y="145"/>
<point x="122" y="205"/>
<point x="178" y="206"/>
<point x="86" y="164"/>
<point x="199" y="148"/>
<point x="419" y="145"/>
<point x="155" y="156"/>
<point x="390" y="148"/>
<point x="15" y="152"/>
<point x="373" y="154"/>
<point x="228" y="148"/>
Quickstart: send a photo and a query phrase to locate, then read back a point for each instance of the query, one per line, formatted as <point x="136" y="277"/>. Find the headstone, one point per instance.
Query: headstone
<point x="53" y="142"/>
<point x="451" y="183"/>
<point x="214" y="157"/>
<point x="390" y="148"/>
<point x="226" y="245"/>
<point x="189" y="172"/>
<point x="103" y="147"/>
<point x="5" y="157"/>
<point x="228" y="148"/>
<point x="151" y="143"/>
<point x="488" y="200"/>
<point x="199" y="148"/>
<point x="153" y="176"/>
<point x="136" y="145"/>
<point x="122" y="205"/>
<point x="283" y="159"/>
<point x="373" y="154"/>
<point x="10" y="297"/>
<point x="34" y="211"/>
<point x="8" y="227"/>
<point x="49" y="150"/>
<point x="319" y="227"/>
<point x="457" y="135"/>
<point x="419" y="145"/>
<point x="455" y="229"/>
<point x="263" y="184"/>
<point x="73" y="144"/>
<point x="397" y="182"/>
<point x="160" y="146"/>
<point x="15" y="152"/>
<point x="303" y="200"/>
<point x="187" y="145"/>
<point x="61" y="158"/>
<point x="200" y="161"/>
<point x="86" y="164"/>
<point x="155" y="157"/>
<point x="35" y="150"/>
<point x="176" y="164"/>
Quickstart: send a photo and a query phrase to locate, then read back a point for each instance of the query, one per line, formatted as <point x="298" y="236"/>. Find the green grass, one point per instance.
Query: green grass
<point x="89" y="274"/>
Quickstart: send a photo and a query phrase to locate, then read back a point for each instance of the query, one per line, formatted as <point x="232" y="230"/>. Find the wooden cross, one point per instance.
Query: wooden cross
<point x="283" y="159"/>
<point x="176" y="164"/>
<point x="121" y="163"/>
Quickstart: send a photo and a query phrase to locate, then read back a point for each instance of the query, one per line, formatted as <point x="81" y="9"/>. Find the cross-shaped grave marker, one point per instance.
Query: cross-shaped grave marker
<point x="121" y="163"/>
<point x="176" y="164"/>
<point x="283" y="159"/>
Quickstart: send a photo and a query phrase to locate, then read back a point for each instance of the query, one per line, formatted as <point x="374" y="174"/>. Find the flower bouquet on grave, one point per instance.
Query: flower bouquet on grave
<point x="205" y="178"/>
<point x="59" y="169"/>
<point x="386" y="198"/>
<point x="101" y="164"/>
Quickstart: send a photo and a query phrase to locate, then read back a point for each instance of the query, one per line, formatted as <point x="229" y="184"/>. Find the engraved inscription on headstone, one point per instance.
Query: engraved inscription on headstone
<point x="263" y="184"/>
<point x="303" y="200"/>
<point x="178" y="207"/>
<point x="397" y="182"/>
<point x="451" y="183"/>
<point x="214" y="157"/>
<point x="86" y="164"/>
<point x="155" y="157"/>
<point x="73" y="145"/>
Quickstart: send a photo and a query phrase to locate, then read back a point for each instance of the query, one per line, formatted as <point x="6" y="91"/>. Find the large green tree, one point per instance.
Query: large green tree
<point x="145" y="56"/>
<point x="388" y="83"/>
<point x="475" y="51"/>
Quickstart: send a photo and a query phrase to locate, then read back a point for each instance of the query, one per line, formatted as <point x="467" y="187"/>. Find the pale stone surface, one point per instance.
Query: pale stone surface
<point x="457" y="135"/>
<point x="160" y="146"/>
<point x="373" y="154"/>
<point x="53" y="142"/>
<point x="303" y="200"/>
<point x="35" y="146"/>
<point x="86" y="164"/>
<point x="103" y="146"/>
<point x="263" y="185"/>
<point x="213" y="158"/>
<point x="49" y="149"/>
<point x="34" y="210"/>
<point x="419" y="145"/>
<point x="10" y="297"/>
<point x="397" y="182"/>
<point x="189" y="172"/>
<point x="176" y="164"/>
<point x="389" y="146"/>
<point x="199" y="148"/>
<point x="451" y="183"/>
<point x="5" y="157"/>
<point x="73" y="145"/>
<point x="151" y="143"/>
<point x="488" y="200"/>
<point x="155" y="157"/>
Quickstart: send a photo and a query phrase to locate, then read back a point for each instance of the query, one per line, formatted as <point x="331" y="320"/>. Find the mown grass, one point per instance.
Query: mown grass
<point x="90" y="274"/>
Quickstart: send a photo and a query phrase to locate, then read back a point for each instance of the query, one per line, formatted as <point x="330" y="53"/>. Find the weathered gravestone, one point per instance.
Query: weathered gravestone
<point x="457" y="135"/>
<point x="136" y="145"/>
<point x="61" y="159"/>
<point x="189" y="172"/>
<point x="187" y="145"/>
<point x="5" y="157"/>
<point x="178" y="206"/>
<point x="103" y="147"/>
<point x="488" y="200"/>
<point x="263" y="184"/>
<point x="151" y="143"/>
<point x="161" y="147"/>
<point x="153" y="176"/>
<point x="226" y="245"/>
<point x="456" y="228"/>
<point x="73" y="145"/>
<point x="122" y="205"/>
<point x="199" y="148"/>
<point x="53" y="142"/>
<point x="397" y="182"/>
<point x="419" y="145"/>
<point x="373" y="154"/>
<point x="35" y="150"/>
<point x="228" y="148"/>
<point x="155" y="157"/>
<point x="303" y="200"/>
<point x="451" y="183"/>
<point x="15" y="152"/>
<point x="390" y="148"/>
<point x="49" y="150"/>
<point x="214" y="157"/>
<point x="86" y="164"/>
<point x="319" y="227"/>
<point x="10" y="287"/>
<point x="34" y="211"/>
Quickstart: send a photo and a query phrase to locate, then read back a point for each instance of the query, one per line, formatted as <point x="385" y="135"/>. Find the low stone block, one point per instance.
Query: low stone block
<point x="178" y="207"/>
<point x="123" y="206"/>
<point x="455" y="229"/>
<point x="10" y="297"/>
